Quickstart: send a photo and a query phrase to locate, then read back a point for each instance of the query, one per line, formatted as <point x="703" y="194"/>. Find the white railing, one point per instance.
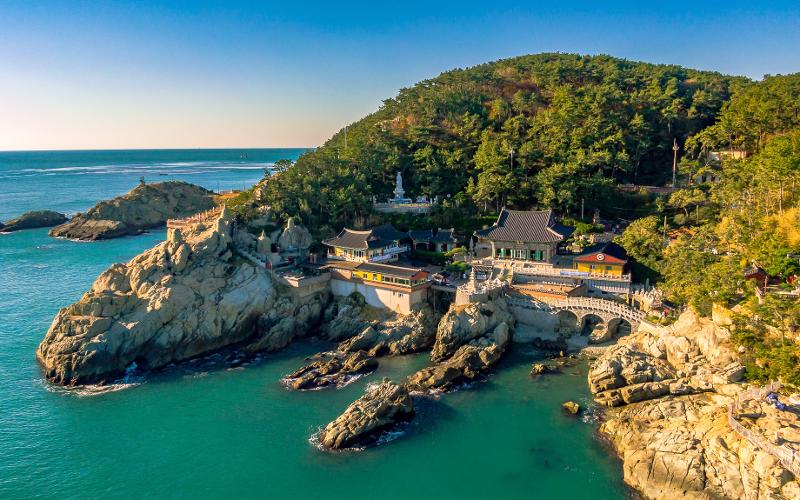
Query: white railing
<point x="389" y="253"/>
<point x="582" y="303"/>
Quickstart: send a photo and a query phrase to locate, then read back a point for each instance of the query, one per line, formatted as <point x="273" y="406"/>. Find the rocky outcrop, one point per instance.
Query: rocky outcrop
<point x="672" y="431"/>
<point x="289" y="317"/>
<point x="683" y="447"/>
<point x="32" y="220"/>
<point x="406" y="334"/>
<point x="185" y="297"/>
<point x="145" y="207"/>
<point x="331" y="368"/>
<point x="469" y="340"/>
<point x="381" y="408"/>
<point x="693" y="356"/>
<point x="343" y="318"/>
<point x="463" y="324"/>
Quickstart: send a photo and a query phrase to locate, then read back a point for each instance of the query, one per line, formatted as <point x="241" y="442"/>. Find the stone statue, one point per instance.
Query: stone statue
<point x="399" y="192"/>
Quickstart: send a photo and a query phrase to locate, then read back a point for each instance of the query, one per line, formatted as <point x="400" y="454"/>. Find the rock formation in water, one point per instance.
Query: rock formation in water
<point x="330" y="368"/>
<point x="405" y="334"/>
<point x="145" y="207"/>
<point x="672" y="433"/>
<point x="469" y="340"/>
<point x="32" y="220"/>
<point x="381" y="408"/>
<point x="187" y="296"/>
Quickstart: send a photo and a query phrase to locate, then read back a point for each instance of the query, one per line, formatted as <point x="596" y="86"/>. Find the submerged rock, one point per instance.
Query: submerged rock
<point x="145" y="207"/>
<point x="382" y="407"/>
<point x="571" y="407"/>
<point x="538" y="369"/>
<point x="330" y="368"/>
<point x="31" y="220"/>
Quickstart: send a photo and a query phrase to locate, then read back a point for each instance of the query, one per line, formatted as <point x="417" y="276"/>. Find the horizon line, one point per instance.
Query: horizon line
<point x="149" y="149"/>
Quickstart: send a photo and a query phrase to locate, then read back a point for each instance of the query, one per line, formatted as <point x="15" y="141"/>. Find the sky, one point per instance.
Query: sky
<point x="203" y="74"/>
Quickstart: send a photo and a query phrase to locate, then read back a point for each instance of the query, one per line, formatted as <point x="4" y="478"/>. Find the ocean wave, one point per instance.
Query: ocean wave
<point x="131" y="379"/>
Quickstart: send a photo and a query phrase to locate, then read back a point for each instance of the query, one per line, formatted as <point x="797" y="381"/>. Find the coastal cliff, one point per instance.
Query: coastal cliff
<point x="671" y="429"/>
<point x="185" y="297"/>
<point x="145" y="207"/>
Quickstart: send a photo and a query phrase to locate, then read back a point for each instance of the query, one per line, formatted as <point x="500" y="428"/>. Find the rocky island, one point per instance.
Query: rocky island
<point x="32" y="220"/>
<point x="147" y="206"/>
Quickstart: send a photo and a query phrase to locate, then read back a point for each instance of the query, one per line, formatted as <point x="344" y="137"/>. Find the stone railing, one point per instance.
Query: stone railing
<point x="591" y="304"/>
<point x="788" y="457"/>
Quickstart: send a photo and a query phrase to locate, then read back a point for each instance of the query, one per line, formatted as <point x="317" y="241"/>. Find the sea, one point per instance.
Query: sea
<point x="225" y="427"/>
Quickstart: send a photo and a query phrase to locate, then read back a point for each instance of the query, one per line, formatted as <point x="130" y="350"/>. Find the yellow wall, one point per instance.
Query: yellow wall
<point x="600" y="267"/>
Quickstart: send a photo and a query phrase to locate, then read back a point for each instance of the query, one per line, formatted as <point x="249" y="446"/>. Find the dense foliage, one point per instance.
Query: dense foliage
<point x="546" y="130"/>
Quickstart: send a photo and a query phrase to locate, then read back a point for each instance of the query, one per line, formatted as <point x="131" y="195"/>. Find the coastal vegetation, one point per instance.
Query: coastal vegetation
<point x="546" y="130"/>
<point x="565" y="132"/>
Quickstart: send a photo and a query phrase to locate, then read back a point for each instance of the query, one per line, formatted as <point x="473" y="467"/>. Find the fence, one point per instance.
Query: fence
<point x="788" y="457"/>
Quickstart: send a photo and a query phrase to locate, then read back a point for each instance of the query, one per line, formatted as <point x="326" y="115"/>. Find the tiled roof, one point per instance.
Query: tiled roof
<point x="607" y="248"/>
<point x="444" y="236"/>
<point x="421" y="235"/>
<point x="528" y="226"/>
<point x="441" y="235"/>
<point x="381" y="236"/>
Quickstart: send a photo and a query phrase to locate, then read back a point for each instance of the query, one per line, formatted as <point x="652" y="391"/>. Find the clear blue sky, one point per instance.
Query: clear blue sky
<point x="110" y="74"/>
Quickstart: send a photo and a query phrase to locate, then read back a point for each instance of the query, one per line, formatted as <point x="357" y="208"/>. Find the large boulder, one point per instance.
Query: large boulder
<point x="381" y="408"/>
<point x="182" y="298"/>
<point x="31" y="220"/>
<point x="405" y="334"/>
<point x="145" y="207"/>
<point x="462" y="324"/>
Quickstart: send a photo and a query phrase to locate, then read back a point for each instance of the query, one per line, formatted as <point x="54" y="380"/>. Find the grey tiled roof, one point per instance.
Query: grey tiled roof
<point x="421" y="235"/>
<point x="528" y="226"/>
<point x="377" y="237"/>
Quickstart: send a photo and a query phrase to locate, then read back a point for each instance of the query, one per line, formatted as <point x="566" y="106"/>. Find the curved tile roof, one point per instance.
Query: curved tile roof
<point x="529" y="226"/>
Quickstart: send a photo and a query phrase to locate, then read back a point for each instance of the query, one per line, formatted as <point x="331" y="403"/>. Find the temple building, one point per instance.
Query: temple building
<point x="380" y="244"/>
<point x="607" y="259"/>
<point x="442" y="240"/>
<point x="358" y="261"/>
<point x="522" y="235"/>
<point x="530" y="243"/>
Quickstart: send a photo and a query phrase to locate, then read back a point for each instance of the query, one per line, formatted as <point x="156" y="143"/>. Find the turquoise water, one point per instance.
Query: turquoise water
<point x="209" y="430"/>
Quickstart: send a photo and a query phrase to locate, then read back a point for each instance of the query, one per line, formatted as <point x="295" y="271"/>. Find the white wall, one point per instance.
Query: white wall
<point x="400" y="302"/>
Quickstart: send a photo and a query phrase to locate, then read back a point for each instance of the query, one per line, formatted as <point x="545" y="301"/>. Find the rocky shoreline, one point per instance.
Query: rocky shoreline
<point x="668" y="390"/>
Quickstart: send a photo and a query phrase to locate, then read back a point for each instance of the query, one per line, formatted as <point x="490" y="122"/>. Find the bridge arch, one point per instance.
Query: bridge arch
<point x="589" y="321"/>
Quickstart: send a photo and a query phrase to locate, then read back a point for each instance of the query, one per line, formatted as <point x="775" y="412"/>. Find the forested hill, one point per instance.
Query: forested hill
<point x="575" y="124"/>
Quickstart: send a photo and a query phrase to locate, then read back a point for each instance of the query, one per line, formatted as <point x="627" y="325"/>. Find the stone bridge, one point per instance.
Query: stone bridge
<point x="610" y="313"/>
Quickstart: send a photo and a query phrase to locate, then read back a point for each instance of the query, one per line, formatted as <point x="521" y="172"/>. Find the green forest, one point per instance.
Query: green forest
<point x="565" y="132"/>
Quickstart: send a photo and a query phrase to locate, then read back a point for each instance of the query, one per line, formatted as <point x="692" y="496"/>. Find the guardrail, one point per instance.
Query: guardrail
<point x="788" y="457"/>
<point x="582" y="303"/>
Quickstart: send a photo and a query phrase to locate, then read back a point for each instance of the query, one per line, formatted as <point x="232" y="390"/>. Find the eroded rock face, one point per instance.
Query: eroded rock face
<point x="463" y="324"/>
<point x="469" y="340"/>
<point x="672" y="431"/>
<point x="683" y="447"/>
<point x="382" y="407"/>
<point x="144" y="207"/>
<point x="330" y="368"/>
<point x="184" y="297"/>
<point x="406" y="334"/>
<point x="31" y="220"/>
<point x="694" y="356"/>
